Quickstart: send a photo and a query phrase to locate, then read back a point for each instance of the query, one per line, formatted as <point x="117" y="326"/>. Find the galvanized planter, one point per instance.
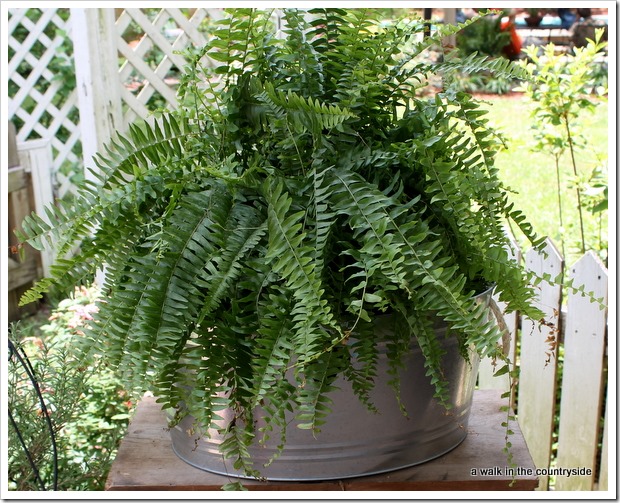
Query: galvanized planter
<point x="354" y="441"/>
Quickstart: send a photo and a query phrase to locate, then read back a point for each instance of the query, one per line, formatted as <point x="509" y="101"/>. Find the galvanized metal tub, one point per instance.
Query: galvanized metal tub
<point x="355" y="442"/>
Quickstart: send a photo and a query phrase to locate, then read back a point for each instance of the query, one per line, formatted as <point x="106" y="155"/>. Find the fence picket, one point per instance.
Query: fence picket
<point x="582" y="383"/>
<point x="36" y="158"/>
<point x="537" y="378"/>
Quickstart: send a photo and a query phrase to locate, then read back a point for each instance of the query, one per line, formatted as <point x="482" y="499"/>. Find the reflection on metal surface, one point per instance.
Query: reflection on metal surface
<point x="355" y="442"/>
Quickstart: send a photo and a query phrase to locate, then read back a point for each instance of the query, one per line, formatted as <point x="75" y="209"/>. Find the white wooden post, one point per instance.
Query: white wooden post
<point x="582" y="383"/>
<point x="98" y="84"/>
<point x="538" y="363"/>
<point x="35" y="156"/>
<point x="449" y="17"/>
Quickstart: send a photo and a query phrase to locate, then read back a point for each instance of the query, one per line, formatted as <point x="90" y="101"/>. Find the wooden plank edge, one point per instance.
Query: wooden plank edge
<point x="357" y="485"/>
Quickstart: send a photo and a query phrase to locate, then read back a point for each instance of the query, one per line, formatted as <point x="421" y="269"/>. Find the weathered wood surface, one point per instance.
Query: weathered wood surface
<point x="13" y="158"/>
<point x="35" y="156"/>
<point x="537" y="375"/>
<point x="19" y="204"/>
<point x="146" y="461"/>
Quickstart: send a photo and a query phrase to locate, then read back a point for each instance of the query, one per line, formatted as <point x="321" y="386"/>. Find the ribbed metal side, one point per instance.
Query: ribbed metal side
<point x="354" y="441"/>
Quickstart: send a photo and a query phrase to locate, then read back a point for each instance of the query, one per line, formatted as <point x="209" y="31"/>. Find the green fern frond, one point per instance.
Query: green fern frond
<point x="242" y="233"/>
<point x="291" y="258"/>
<point x="304" y="70"/>
<point x="477" y="63"/>
<point x="274" y="349"/>
<point x="122" y="180"/>
<point x="364" y="349"/>
<point x="313" y="401"/>
<point x="167" y="291"/>
<point x="323" y="217"/>
<point x="94" y="252"/>
<point x="424" y="331"/>
<point x="235" y="447"/>
<point x="72" y="271"/>
<point x="273" y="353"/>
<point x="302" y="114"/>
<point x="141" y="149"/>
<point x="406" y="253"/>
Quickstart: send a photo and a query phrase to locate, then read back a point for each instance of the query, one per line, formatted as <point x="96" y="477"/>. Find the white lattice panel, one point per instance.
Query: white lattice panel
<point x="44" y="105"/>
<point x="148" y="41"/>
<point x="41" y="105"/>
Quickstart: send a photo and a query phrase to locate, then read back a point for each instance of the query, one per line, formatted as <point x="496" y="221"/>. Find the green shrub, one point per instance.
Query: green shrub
<point x="88" y="409"/>
<point x="562" y="90"/>
<point x="484" y="37"/>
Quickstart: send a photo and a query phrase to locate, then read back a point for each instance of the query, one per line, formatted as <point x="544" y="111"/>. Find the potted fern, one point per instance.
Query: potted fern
<point x="308" y="219"/>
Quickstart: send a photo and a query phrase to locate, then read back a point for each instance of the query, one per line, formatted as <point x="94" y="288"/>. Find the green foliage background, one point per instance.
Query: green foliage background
<point x="88" y="406"/>
<point x="531" y="174"/>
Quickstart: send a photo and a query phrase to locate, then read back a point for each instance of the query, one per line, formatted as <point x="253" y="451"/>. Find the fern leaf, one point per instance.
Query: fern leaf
<point x="272" y="358"/>
<point x="318" y="381"/>
<point x="476" y="63"/>
<point x="303" y="114"/>
<point x="424" y="332"/>
<point x="164" y="294"/>
<point x="364" y="351"/>
<point x="291" y="257"/>
<point x="71" y="222"/>
<point x="242" y="234"/>
<point x="405" y="252"/>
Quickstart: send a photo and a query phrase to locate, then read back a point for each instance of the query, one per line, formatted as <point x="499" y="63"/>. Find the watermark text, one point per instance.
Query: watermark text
<point x="520" y="471"/>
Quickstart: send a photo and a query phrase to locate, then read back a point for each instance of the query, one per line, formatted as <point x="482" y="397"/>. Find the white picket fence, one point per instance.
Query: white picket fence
<point x="562" y="361"/>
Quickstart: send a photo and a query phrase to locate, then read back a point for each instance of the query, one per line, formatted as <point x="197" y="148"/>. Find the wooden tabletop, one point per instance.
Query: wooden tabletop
<point x="146" y="461"/>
